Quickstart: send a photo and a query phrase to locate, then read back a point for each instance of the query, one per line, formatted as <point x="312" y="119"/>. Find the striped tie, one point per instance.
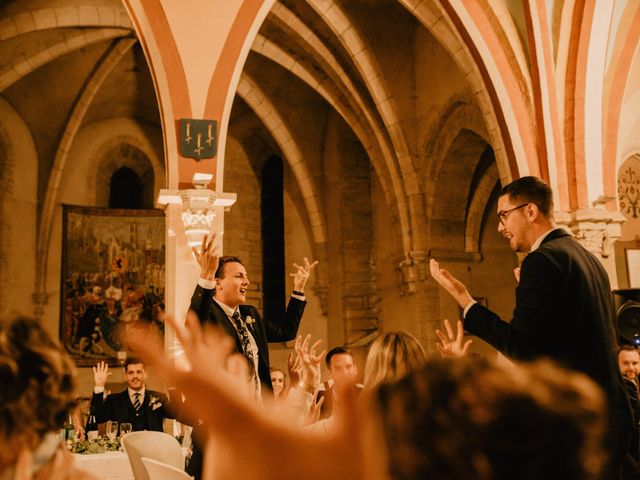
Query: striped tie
<point x="241" y="327"/>
<point x="136" y="402"/>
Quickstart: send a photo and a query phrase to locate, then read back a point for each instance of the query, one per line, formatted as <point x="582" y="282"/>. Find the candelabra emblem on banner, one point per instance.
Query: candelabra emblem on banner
<point x="198" y="138"/>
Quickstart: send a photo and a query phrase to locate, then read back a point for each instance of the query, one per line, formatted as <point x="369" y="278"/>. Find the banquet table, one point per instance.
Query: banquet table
<point x="105" y="466"/>
<point x="108" y="465"/>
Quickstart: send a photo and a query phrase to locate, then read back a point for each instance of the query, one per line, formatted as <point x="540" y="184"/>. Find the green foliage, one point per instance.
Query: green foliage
<point x="99" y="445"/>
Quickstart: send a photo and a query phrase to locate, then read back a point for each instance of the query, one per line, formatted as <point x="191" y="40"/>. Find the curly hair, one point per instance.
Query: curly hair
<point x="469" y="418"/>
<point x="37" y="385"/>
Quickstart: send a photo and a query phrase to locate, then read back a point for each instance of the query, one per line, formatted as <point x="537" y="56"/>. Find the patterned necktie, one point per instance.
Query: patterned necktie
<point x="136" y="402"/>
<point x="246" y="345"/>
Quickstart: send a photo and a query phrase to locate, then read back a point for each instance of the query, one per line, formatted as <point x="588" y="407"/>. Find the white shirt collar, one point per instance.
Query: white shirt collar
<point x="132" y="392"/>
<point x="227" y="309"/>
<point x="538" y="242"/>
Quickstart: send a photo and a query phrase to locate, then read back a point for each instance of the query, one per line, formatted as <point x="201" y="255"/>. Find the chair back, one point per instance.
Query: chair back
<point x="161" y="471"/>
<point x="154" y="445"/>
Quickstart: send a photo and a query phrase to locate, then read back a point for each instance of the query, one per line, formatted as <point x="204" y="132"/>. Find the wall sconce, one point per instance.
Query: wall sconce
<point x="199" y="206"/>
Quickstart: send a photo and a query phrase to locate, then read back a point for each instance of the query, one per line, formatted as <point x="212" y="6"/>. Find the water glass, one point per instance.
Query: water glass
<point x="125" y="428"/>
<point x="112" y="430"/>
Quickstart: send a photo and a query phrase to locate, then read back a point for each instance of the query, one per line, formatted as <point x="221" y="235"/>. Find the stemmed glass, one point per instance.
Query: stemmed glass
<point x="112" y="430"/>
<point x="125" y="428"/>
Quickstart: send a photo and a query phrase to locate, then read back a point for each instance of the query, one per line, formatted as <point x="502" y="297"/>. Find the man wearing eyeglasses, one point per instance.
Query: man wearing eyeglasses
<point x="563" y="308"/>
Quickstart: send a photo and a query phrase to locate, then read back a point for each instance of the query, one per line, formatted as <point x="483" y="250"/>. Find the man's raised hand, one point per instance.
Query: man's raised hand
<point x="302" y="274"/>
<point x="207" y="257"/>
<point x="101" y="374"/>
<point x="451" y="284"/>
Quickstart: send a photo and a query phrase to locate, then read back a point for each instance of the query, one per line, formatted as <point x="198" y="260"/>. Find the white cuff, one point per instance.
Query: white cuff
<point x="299" y="297"/>
<point x="466" y="309"/>
<point x="98" y="389"/>
<point x="208" y="284"/>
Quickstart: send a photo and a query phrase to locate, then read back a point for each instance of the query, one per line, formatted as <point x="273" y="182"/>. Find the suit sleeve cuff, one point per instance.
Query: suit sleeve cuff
<point x="98" y="389"/>
<point x="208" y="284"/>
<point x="299" y="297"/>
<point x="468" y="307"/>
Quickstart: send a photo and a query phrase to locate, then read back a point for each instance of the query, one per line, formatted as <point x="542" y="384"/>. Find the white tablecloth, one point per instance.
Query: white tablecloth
<point x="109" y="465"/>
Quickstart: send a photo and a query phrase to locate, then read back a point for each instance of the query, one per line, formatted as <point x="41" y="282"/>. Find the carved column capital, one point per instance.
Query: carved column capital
<point x="413" y="268"/>
<point x="596" y="229"/>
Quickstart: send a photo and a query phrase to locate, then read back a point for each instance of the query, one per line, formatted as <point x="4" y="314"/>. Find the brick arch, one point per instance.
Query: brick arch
<point x="59" y="17"/>
<point x="616" y="78"/>
<point x="434" y="21"/>
<point x="447" y="222"/>
<point x="372" y="75"/>
<point x="458" y="115"/>
<point x="575" y="102"/>
<point x="480" y="197"/>
<point x="141" y="153"/>
<point x="18" y="207"/>
<point x="255" y="98"/>
<point x="506" y="83"/>
<point x="72" y="41"/>
<point x="369" y="135"/>
<point x="316" y="48"/>
<point x="123" y="152"/>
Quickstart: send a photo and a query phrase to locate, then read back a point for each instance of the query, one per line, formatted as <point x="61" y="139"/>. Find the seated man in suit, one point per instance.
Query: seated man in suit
<point x="143" y="409"/>
<point x="343" y="370"/>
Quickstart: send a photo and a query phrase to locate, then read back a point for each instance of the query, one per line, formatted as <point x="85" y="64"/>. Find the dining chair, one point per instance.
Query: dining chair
<point x="161" y="471"/>
<point x="158" y="446"/>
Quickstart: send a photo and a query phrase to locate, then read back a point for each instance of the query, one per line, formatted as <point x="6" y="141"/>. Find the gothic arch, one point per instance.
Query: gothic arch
<point x="251" y="93"/>
<point x="457" y="116"/>
<point x="18" y="193"/>
<point x="69" y="16"/>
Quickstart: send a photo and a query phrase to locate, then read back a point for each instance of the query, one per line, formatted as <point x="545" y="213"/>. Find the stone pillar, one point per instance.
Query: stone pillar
<point x="196" y="52"/>
<point x="597" y="230"/>
<point x="416" y="281"/>
<point x="190" y="214"/>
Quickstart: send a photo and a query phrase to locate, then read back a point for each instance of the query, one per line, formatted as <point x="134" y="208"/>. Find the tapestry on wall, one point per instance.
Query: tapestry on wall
<point x="113" y="279"/>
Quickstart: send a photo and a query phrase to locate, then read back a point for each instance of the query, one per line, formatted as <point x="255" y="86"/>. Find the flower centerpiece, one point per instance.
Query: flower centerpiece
<point x="97" y="445"/>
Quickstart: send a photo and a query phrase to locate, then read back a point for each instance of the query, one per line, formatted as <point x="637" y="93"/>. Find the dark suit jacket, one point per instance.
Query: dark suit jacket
<point x="263" y="330"/>
<point x="564" y="311"/>
<point x="118" y="407"/>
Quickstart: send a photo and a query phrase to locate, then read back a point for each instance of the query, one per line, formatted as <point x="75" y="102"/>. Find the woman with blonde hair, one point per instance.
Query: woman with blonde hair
<point x="391" y="356"/>
<point x="37" y="393"/>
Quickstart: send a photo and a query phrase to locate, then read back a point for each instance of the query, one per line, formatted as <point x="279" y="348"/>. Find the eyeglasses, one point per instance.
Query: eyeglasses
<point x="503" y="214"/>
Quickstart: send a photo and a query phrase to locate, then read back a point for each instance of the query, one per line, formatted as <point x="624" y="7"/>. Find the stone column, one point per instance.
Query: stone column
<point x="597" y="230"/>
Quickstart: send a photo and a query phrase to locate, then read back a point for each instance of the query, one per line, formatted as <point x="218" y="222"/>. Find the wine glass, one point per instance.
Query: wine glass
<point x="112" y="430"/>
<point x="125" y="428"/>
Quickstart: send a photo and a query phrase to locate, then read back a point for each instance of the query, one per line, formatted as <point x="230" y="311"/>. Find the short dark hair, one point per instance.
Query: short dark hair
<point x="629" y="348"/>
<point x="132" y="361"/>
<point x="530" y="190"/>
<point x="341" y="350"/>
<point x="222" y="261"/>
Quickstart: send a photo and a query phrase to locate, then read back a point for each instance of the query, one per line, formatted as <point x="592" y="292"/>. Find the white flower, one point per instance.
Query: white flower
<point x="249" y="320"/>
<point x="154" y="402"/>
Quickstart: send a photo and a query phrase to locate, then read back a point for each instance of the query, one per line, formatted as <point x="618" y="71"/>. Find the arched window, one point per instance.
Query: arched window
<point x="272" y="207"/>
<point x="125" y="189"/>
